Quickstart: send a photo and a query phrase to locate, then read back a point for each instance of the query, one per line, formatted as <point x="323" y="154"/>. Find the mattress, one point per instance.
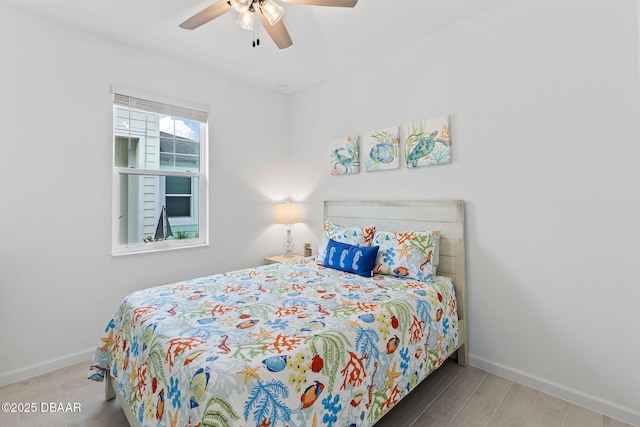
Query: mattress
<point x="291" y="344"/>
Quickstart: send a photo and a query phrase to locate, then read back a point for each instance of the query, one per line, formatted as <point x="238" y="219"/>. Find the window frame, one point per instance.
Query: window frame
<point x="200" y="215"/>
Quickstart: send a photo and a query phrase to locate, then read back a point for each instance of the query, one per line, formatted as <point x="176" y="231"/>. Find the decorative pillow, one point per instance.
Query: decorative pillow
<point x="352" y="259"/>
<point x="408" y="254"/>
<point x="358" y="236"/>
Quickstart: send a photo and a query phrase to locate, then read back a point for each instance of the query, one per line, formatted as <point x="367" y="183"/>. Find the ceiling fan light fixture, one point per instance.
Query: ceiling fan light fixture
<point x="241" y="6"/>
<point x="270" y="16"/>
<point x="272" y="11"/>
<point x="246" y="20"/>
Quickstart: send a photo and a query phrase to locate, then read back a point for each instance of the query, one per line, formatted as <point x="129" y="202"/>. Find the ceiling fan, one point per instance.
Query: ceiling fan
<point x="269" y="11"/>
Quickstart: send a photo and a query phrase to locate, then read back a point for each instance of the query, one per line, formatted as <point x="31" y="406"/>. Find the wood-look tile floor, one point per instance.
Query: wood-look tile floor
<point x="451" y="396"/>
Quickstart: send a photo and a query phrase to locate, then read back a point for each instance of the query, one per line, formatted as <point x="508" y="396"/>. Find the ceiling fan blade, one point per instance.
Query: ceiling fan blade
<point x="206" y="15"/>
<point x="278" y="32"/>
<point x="335" y="3"/>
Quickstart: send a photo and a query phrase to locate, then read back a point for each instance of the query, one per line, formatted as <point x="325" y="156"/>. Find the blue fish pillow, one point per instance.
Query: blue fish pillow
<point x="352" y="259"/>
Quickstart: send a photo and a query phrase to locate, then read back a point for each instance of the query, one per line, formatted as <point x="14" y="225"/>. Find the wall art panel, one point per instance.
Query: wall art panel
<point x="381" y="149"/>
<point x="345" y="155"/>
<point x="427" y="142"/>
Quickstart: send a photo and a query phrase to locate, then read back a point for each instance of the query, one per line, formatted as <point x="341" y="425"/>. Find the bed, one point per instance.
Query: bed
<point x="298" y="343"/>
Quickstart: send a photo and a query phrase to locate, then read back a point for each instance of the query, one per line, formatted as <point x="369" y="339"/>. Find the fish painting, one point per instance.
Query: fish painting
<point x="192" y="356"/>
<point x="382" y="151"/>
<point x="247" y="324"/>
<point x="357" y="398"/>
<point x="392" y="344"/>
<point x="316" y="325"/>
<point x="160" y="405"/>
<point x="275" y="363"/>
<point x="311" y="394"/>
<point x="198" y="387"/>
<point x="401" y="271"/>
<point x="367" y="318"/>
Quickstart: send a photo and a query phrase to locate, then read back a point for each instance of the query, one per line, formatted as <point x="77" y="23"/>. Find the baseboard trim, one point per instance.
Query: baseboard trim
<point x="569" y="394"/>
<point x="18" y="375"/>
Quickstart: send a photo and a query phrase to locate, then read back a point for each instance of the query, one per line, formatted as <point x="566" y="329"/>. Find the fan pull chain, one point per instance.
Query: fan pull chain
<point x="256" y="34"/>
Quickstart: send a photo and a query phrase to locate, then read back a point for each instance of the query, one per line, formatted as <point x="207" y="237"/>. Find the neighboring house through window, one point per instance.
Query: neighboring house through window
<point x="160" y="175"/>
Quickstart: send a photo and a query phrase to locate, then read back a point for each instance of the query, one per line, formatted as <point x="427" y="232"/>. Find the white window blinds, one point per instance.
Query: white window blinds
<point x="185" y="112"/>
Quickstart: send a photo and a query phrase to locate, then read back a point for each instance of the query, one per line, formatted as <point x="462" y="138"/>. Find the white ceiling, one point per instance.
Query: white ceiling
<point x="325" y="39"/>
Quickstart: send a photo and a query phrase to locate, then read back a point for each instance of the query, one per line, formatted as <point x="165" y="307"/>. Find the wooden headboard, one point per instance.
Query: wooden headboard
<point x="447" y="216"/>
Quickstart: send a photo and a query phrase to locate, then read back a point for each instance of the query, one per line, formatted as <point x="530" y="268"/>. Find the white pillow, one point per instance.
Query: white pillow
<point x="357" y="236"/>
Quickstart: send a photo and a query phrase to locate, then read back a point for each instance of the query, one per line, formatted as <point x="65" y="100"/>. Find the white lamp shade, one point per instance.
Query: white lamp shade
<point x="241" y="6"/>
<point x="272" y="11"/>
<point x="245" y="20"/>
<point x="287" y="213"/>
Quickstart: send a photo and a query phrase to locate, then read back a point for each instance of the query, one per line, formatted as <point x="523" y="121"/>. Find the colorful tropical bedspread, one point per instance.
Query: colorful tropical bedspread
<point x="292" y="344"/>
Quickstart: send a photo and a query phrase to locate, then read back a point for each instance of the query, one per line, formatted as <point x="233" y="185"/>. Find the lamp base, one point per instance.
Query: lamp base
<point x="288" y="243"/>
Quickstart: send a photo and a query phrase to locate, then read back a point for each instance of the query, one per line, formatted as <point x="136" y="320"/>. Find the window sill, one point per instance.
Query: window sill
<point x="157" y="247"/>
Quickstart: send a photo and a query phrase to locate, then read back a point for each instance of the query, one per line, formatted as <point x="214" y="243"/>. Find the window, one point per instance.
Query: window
<point x="179" y="196"/>
<point x="160" y="175"/>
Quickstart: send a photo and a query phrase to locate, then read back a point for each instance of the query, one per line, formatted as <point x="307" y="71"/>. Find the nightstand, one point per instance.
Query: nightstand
<point x="281" y="258"/>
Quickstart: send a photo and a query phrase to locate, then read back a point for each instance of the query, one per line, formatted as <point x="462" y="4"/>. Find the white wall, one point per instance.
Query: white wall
<point x="59" y="284"/>
<point x="544" y="103"/>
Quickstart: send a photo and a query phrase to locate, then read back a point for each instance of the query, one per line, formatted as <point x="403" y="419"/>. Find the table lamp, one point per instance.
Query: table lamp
<point x="287" y="213"/>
